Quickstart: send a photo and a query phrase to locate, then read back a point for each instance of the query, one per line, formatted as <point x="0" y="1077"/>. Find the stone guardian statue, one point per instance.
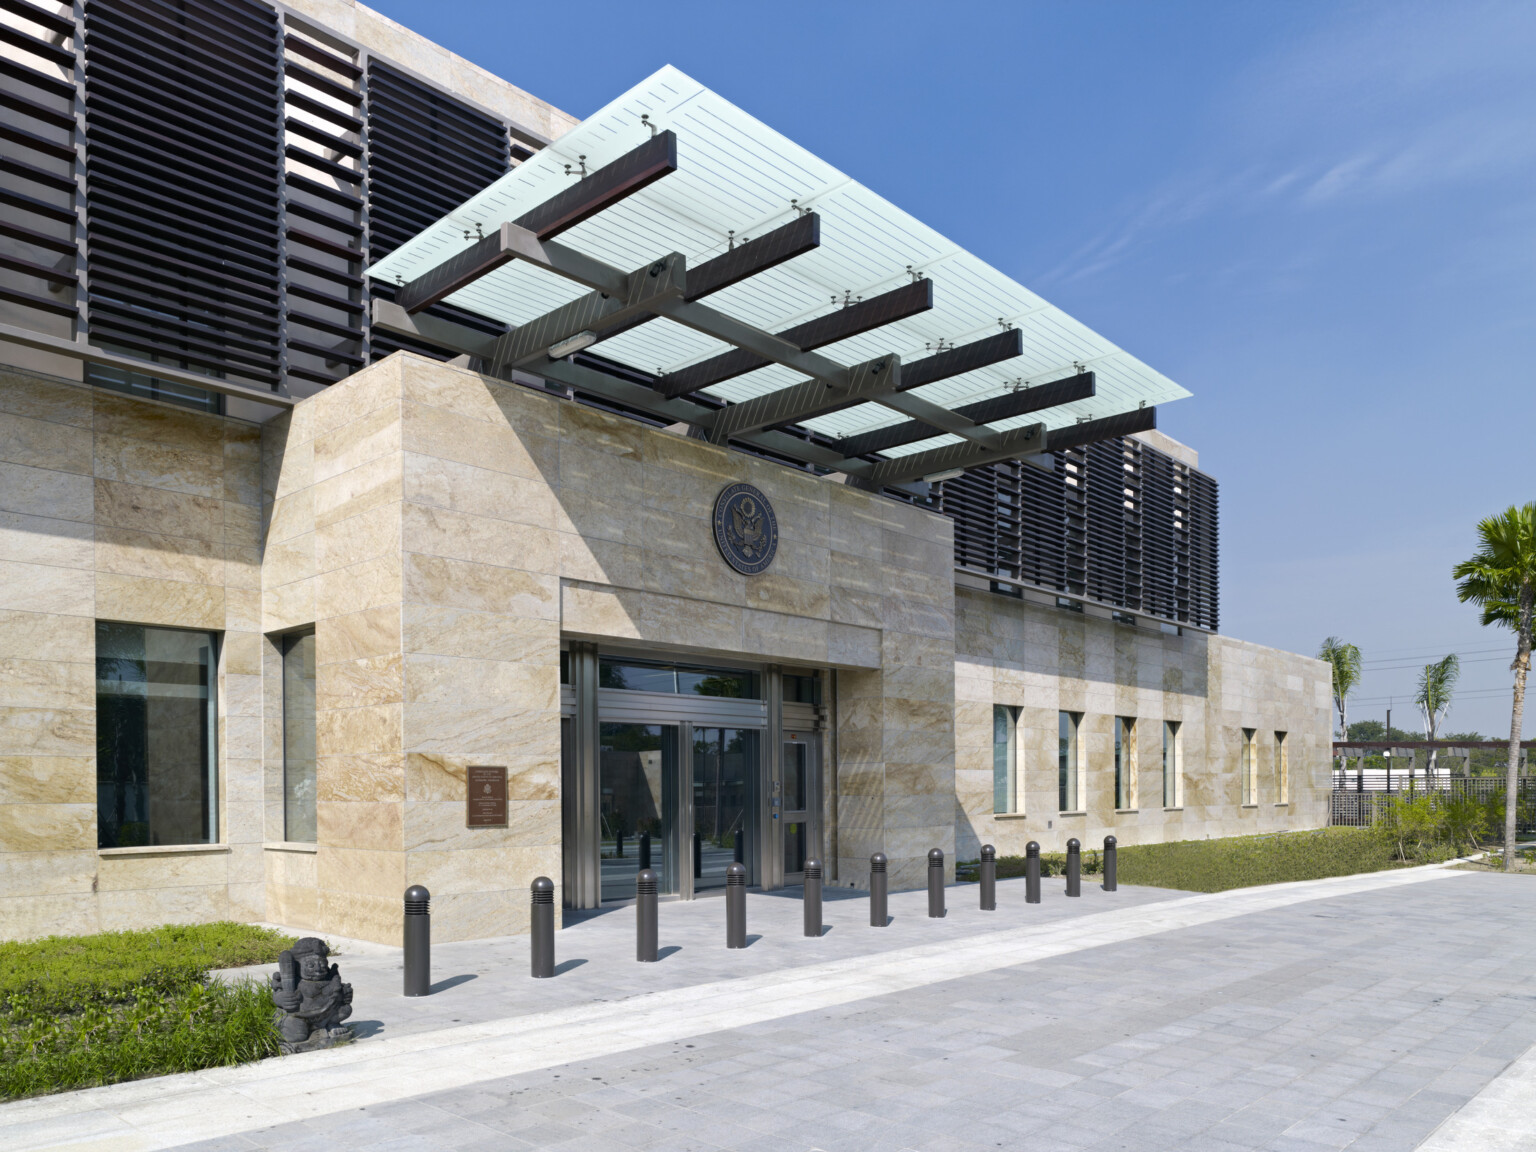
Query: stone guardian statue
<point x="311" y="1000"/>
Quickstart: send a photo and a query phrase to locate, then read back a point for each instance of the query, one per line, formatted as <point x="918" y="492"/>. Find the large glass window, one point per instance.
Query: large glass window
<point x="1005" y="758"/>
<point x="724" y="771"/>
<point x="1171" y="764"/>
<point x="299" y="738"/>
<point x="1125" y="762"/>
<point x="637" y="767"/>
<point x="156" y="731"/>
<point x="1066" y="761"/>
<point x="1250" y="769"/>
<point x="642" y="676"/>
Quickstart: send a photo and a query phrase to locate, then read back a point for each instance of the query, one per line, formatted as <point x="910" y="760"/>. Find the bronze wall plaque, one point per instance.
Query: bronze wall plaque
<point x="486" y="799"/>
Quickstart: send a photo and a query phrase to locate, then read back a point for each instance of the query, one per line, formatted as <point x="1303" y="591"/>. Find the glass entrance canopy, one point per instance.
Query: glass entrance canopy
<point x="735" y="181"/>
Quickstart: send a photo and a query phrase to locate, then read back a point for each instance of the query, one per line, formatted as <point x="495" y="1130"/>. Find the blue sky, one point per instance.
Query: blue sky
<point x="1319" y="218"/>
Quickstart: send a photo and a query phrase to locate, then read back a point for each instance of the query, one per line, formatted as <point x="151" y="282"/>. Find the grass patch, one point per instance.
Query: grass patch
<point x="78" y="1011"/>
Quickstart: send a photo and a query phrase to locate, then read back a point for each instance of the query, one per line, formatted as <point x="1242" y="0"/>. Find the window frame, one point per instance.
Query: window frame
<point x="209" y="738"/>
<point x="1173" y="780"/>
<point x="1125" y="764"/>
<point x="1248" y="768"/>
<point x="1283" y="768"/>
<point x="286" y="643"/>
<point x="1069" y="762"/>
<point x="1007" y="774"/>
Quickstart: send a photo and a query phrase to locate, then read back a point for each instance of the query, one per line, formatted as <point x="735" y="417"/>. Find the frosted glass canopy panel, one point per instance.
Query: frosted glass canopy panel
<point x="737" y="178"/>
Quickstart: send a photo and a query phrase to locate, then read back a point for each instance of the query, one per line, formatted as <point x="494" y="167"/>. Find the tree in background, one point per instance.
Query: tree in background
<point x="1437" y="684"/>
<point x="1344" y="659"/>
<point x="1501" y="579"/>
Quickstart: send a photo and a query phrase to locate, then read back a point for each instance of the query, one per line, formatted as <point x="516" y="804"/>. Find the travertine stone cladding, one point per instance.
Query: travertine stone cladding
<point x="1044" y="660"/>
<point x="122" y="509"/>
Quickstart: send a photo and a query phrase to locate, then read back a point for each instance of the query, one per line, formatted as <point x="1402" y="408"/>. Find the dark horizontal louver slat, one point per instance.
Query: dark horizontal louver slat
<point x="183" y="176"/>
<point x="427" y="154"/>
<point x="1117" y="521"/>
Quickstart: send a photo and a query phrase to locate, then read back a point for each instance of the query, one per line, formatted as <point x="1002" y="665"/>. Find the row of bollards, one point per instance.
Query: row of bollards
<point x="418" y="919"/>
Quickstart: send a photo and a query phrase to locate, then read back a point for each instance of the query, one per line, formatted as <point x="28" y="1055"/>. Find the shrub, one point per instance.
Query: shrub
<point x="77" y="1011"/>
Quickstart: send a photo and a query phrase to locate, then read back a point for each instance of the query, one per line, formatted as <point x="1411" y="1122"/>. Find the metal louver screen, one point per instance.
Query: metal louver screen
<point x="183" y="103"/>
<point x="427" y="154"/>
<point x="1116" y="521"/>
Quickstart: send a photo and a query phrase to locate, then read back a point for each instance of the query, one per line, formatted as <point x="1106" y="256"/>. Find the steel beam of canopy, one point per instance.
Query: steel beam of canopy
<point x="1079" y="387"/>
<point x="992" y="349"/>
<point x="1104" y="428"/>
<point x="1016" y="442"/>
<point x="596" y="312"/>
<point x="586" y="198"/>
<point x="866" y="381"/>
<point x="785" y="242"/>
<point x="472" y="342"/>
<point x="865" y="316"/>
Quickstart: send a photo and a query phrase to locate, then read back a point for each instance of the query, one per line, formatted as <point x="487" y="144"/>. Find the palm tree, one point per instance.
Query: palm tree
<point x="1501" y="579"/>
<point x="1437" y="683"/>
<point x="1344" y="659"/>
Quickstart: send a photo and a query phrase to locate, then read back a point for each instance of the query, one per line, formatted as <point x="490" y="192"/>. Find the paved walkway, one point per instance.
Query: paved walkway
<point x="1360" y="1012"/>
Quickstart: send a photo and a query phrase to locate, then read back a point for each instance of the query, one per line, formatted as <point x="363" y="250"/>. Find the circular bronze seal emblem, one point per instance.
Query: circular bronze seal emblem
<point x="746" y="529"/>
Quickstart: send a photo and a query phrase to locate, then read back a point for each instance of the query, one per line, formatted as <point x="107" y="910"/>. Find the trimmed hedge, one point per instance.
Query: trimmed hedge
<point x="1235" y="861"/>
<point x="77" y="1011"/>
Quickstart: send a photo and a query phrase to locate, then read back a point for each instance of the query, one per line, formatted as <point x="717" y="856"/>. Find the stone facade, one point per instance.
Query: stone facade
<point x="442" y="534"/>
<point x="1045" y="660"/>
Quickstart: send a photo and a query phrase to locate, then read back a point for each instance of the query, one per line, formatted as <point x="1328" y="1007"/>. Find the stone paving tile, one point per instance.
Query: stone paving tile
<point x="1358" y="1022"/>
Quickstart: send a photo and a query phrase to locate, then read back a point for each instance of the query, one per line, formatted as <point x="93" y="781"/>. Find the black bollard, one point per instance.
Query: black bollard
<point x="935" y="883"/>
<point x="735" y="905"/>
<point x="812" y="898"/>
<point x="1074" y="867"/>
<point x="740" y="855"/>
<point x="988" y="878"/>
<point x="418" y="941"/>
<point x="645" y="916"/>
<point x="541" y="928"/>
<point x="1109" y="864"/>
<point x="1032" y="873"/>
<point x="698" y="856"/>
<point x="877" y="889"/>
<point x="619" y="840"/>
<point x="645" y="851"/>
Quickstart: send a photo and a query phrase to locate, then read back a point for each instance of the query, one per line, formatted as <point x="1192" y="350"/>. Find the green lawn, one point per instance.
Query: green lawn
<point x="1233" y="861"/>
<point x="77" y="1011"/>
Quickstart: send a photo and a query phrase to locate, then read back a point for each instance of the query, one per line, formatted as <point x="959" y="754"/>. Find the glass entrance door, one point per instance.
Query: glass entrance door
<point x="639" y="797"/>
<point x="799" y="779"/>
<point x="725" y="774"/>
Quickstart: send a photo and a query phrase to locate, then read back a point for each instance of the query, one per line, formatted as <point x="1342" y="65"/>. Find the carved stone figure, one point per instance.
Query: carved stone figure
<point x="310" y="997"/>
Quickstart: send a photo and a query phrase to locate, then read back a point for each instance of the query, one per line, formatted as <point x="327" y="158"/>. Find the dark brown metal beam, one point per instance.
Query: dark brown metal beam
<point x="898" y="304"/>
<point x="1079" y="387"/>
<point x="1024" y="441"/>
<point x="799" y="236"/>
<point x="602" y="189"/>
<point x="1104" y="428"/>
<point x="787" y="405"/>
<point x="992" y="349"/>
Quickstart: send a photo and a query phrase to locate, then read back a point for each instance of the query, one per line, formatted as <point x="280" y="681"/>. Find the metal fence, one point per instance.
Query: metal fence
<point x="1352" y="809"/>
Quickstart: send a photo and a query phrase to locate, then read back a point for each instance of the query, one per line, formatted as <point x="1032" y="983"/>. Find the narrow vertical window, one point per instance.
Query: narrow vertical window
<point x="1249" y="769"/>
<point x="1282" y="768"/>
<point x="1005" y="758"/>
<point x="1125" y="762"/>
<point x="1171" y="782"/>
<point x="299" y="738"/>
<point x="156" y="736"/>
<point x="1066" y="761"/>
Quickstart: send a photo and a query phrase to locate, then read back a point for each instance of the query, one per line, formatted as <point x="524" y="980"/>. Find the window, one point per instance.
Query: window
<point x="299" y="738"/>
<point x="1125" y="762"/>
<point x="802" y="689"/>
<point x="1066" y="761"/>
<point x="1282" y="768"/>
<point x="156" y="765"/>
<point x="1249" y="769"/>
<point x="1123" y="618"/>
<point x="1173" y="786"/>
<point x="639" y="676"/>
<point x="1005" y="758"/>
<point x="1069" y="604"/>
